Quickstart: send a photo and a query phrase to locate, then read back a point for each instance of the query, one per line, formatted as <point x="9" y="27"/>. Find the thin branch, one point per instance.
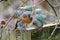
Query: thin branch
<point x="55" y="15"/>
<point x="52" y="8"/>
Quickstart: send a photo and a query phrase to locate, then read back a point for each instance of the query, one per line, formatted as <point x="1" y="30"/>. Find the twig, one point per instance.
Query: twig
<point x="55" y="15"/>
<point x="7" y="22"/>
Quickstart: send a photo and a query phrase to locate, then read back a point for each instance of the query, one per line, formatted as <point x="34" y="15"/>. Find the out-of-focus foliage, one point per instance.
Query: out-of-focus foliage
<point x="45" y="33"/>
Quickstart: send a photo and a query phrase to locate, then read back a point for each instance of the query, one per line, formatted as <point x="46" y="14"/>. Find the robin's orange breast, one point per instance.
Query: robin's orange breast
<point x="25" y="20"/>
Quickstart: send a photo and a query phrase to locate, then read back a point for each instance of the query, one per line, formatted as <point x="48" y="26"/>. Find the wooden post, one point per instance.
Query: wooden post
<point x="25" y="35"/>
<point x="13" y="35"/>
<point x="0" y="33"/>
<point x="3" y="37"/>
<point x="7" y="35"/>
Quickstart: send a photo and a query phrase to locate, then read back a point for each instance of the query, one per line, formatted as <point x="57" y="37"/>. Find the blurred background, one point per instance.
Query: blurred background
<point x="10" y="7"/>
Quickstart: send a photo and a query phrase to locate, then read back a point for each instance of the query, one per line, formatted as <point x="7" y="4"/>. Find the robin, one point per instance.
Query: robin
<point x="27" y="17"/>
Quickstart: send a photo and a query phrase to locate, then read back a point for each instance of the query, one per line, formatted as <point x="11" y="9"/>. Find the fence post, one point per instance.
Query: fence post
<point x="13" y="35"/>
<point x="3" y="37"/>
<point x="25" y="35"/>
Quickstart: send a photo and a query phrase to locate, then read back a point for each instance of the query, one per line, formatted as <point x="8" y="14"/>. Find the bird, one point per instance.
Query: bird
<point x="38" y="23"/>
<point x="28" y="8"/>
<point x="39" y="15"/>
<point x="27" y="17"/>
<point x="39" y="18"/>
